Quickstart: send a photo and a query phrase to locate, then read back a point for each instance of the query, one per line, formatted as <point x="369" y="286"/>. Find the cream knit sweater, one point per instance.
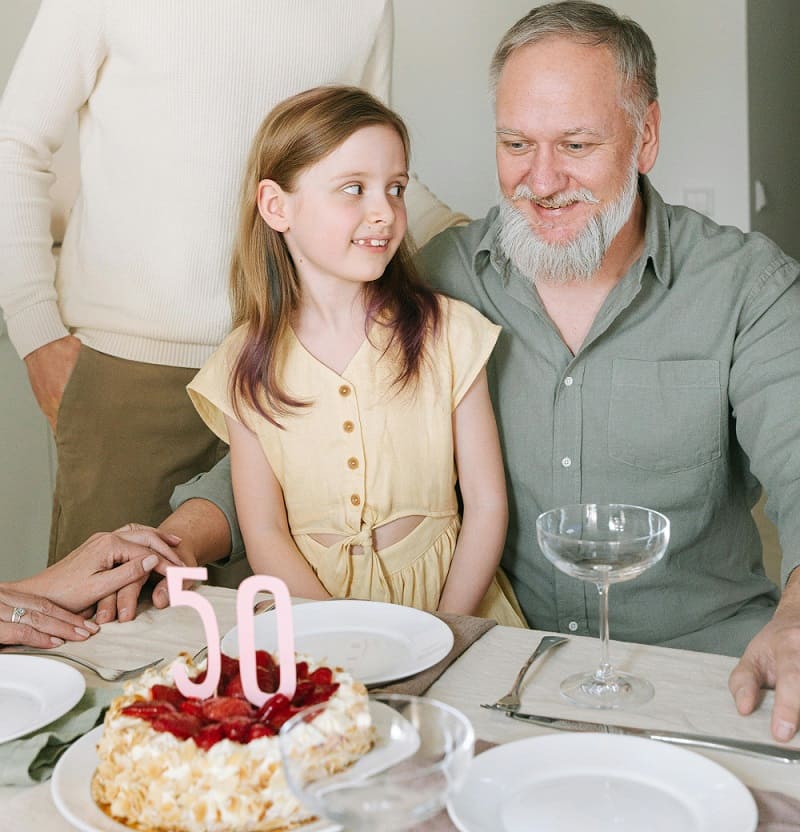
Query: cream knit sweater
<point x="168" y="94"/>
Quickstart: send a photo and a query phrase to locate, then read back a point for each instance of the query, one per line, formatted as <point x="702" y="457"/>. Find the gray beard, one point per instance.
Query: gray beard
<point x="578" y="259"/>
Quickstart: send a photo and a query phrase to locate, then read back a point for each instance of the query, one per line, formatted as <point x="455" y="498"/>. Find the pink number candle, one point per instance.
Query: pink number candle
<point x="247" y="649"/>
<point x="180" y="597"/>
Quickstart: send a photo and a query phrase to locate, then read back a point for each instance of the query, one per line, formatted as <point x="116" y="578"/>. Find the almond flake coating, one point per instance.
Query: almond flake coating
<point x="154" y="782"/>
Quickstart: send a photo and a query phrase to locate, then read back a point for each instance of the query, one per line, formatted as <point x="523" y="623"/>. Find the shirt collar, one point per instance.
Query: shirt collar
<point x="488" y="248"/>
<point x="656" y="233"/>
<point x="656" y="239"/>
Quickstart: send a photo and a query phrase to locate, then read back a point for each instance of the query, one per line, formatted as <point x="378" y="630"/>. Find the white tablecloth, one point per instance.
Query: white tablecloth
<point x="691" y="693"/>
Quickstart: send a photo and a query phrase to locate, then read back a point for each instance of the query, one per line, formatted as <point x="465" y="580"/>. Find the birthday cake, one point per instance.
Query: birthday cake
<point x="177" y="764"/>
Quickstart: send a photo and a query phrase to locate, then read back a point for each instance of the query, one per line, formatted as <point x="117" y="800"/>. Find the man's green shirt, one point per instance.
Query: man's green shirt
<point x="683" y="398"/>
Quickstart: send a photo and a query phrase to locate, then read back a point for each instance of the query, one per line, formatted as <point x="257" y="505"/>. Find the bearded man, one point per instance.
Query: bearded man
<point x="648" y="356"/>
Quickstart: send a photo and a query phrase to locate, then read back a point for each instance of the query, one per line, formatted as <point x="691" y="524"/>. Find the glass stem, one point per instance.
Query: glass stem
<point x="605" y="672"/>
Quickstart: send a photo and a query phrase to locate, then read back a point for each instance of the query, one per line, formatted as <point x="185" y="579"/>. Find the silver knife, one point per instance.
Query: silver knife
<point x="776" y="753"/>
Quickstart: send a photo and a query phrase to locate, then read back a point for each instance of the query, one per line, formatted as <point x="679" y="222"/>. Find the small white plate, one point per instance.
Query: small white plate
<point x="600" y="782"/>
<point x="34" y="691"/>
<point x="71" y="783"/>
<point x="375" y="642"/>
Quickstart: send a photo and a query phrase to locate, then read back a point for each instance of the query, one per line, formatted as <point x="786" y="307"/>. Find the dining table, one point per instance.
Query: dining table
<point x="691" y="693"/>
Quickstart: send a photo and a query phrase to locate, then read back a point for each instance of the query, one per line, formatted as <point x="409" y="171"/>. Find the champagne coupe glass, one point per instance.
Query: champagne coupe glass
<point x="421" y="752"/>
<point x="603" y="544"/>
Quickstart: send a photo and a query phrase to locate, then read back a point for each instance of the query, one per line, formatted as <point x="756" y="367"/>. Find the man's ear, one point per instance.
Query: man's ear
<point x="648" y="152"/>
<point x="272" y="205"/>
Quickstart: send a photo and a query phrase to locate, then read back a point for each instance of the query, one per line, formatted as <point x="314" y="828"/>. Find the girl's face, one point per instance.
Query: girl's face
<point x="347" y="216"/>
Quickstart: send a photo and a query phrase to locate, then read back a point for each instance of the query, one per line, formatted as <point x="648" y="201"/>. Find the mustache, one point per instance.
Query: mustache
<point x="561" y="200"/>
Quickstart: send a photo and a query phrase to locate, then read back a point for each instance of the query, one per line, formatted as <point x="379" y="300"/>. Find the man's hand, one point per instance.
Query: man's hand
<point x="127" y="545"/>
<point x="772" y="660"/>
<point x="204" y="535"/>
<point x="160" y="595"/>
<point x="49" y="369"/>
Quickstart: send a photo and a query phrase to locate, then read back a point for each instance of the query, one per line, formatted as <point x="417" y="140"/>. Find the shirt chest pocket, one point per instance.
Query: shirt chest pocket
<point x="665" y="415"/>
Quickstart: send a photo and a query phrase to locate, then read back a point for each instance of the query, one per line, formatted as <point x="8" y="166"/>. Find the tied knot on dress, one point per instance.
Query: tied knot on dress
<point x="343" y="569"/>
<point x="365" y="539"/>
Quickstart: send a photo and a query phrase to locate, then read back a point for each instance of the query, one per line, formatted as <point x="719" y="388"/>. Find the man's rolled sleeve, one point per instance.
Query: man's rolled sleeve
<point x="214" y="486"/>
<point x="765" y="396"/>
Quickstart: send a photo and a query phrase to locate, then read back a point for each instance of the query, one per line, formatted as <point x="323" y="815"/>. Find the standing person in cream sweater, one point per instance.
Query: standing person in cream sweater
<point x="168" y="95"/>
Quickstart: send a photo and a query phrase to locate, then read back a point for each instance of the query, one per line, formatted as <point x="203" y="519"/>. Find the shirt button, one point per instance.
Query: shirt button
<point x="348" y="427"/>
<point x="568" y="381"/>
<point x="355" y="499"/>
<point x="573" y="625"/>
<point x="344" y="390"/>
<point x="566" y="462"/>
<point x="352" y="463"/>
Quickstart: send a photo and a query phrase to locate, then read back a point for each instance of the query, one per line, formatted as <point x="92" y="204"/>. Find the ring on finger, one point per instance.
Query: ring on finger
<point x="16" y="615"/>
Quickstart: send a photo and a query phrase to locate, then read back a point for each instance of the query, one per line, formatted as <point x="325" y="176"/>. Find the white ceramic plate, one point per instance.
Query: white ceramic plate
<point x="375" y="642"/>
<point x="600" y="782"/>
<point x="71" y="783"/>
<point x="33" y="692"/>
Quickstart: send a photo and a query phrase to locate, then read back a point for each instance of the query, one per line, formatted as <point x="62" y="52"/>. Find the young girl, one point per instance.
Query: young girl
<point x="351" y="394"/>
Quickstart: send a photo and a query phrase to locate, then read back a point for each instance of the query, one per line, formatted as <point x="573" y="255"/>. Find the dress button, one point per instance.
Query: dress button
<point x="568" y="381"/>
<point x="348" y="427"/>
<point x="573" y="625"/>
<point x="344" y="390"/>
<point x="352" y="463"/>
<point x="566" y="462"/>
<point x="355" y="499"/>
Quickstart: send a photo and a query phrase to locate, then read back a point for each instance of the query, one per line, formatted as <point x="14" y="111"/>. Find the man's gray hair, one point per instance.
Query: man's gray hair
<point x="593" y="25"/>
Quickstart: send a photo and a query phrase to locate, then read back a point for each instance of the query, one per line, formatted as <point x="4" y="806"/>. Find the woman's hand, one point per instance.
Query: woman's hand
<point x="109" y="568"/>
<point x="38" y="622"/>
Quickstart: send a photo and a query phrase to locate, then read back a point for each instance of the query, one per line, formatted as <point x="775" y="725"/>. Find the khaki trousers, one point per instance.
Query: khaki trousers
<point x="126" y="435"/>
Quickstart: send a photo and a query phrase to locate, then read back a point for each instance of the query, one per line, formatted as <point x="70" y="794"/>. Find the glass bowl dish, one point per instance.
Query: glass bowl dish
<point x="421" y="754"/>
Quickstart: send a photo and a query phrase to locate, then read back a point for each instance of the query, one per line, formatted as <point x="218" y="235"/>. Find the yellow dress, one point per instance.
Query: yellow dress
<point x="363" y="454"/>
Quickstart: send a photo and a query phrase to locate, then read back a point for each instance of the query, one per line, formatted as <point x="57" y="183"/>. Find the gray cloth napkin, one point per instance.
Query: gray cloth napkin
<point x="467" y="629"/>
<point x="32" y="758"/>
<point x="776" y="812"/>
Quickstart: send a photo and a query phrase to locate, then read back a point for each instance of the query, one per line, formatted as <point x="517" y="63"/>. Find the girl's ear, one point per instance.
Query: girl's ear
<point x="272" y="205"/>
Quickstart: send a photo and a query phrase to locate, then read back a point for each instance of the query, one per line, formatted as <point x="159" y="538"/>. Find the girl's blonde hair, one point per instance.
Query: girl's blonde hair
<point x="265" y="290"/>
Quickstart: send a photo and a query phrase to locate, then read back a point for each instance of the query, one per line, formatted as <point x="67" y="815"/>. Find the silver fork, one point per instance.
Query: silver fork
<point x="110" y="674"/>
<point x="510" y="702"/>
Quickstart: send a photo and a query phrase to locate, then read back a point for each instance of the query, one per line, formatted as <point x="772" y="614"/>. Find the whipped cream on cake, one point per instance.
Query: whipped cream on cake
<point x="177" y="764"/>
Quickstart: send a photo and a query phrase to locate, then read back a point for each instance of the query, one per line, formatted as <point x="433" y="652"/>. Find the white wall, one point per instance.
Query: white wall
<point x="16" y="17"/>
<point x="442" y="52"/>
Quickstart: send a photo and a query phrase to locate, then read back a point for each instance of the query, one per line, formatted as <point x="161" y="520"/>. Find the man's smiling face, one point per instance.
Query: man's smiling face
<point x="565" y="143"/>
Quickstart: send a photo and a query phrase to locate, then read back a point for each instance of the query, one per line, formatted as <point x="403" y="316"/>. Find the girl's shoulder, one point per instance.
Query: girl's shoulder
<point x="227" y="352"/>
<point x="457" y="315"/>
<point x="465" y="342"/>
<point x="235" y="338"/>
